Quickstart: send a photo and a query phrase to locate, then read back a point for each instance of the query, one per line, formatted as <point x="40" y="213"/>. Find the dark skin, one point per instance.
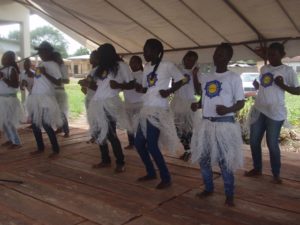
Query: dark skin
<point x="153" y="57"/>
<point x="46" y="56"/>
<point x="275" y="57"/>
<point x="221" y="59"/>
<point x="14" y="76"/>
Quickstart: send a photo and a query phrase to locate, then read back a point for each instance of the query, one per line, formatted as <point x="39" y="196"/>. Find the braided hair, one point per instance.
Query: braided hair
<point x="108" y="60"/>
<point x="155" y="46"/>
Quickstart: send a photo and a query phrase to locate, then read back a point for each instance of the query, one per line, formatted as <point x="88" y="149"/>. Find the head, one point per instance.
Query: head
<point x="94" y="58"/>
<point x="223" y="55"/>
<point x="275" y="53"/>
<point x="136" y="63"/>
<point x="153" y="50"/>
<point x="27" y="64"/>
<point x="45" y="51"/>
<point x="8" y="58"/>
<point x="57" y="58"/>
<point x="190" y="59"/>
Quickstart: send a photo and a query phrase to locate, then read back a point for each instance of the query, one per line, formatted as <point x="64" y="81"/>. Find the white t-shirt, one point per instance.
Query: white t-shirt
<point x="270" y="97"/>
<point x="165" y="72"/>
<point x="4" y="88"/>
<point x="220" y="89"/>
<point x="187" y="91"/>
<point x="24" y="76"/>
<point x="41" y="84"/>
<point x="132" y="96"/>
<point x="104" y="90"/>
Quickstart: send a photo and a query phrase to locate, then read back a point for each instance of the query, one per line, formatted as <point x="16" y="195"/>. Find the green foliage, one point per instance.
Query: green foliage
<point x="76" y="99"/>
<point x="14" y="35"/>
<point x="81" y="51"/>
<point x="53" y="36"/>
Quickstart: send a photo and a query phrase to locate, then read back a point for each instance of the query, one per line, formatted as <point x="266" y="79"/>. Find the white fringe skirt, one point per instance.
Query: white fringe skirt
<point x="133" y="111"/>
<point x="99" y="111"/>
<point x="62" y="100"/>
<point x="163" y="120"/>
<point x="44" y="108"/>
<point x="10" y="111"/>
<point x="219" y="140"/>
<point x="183" y="115"/>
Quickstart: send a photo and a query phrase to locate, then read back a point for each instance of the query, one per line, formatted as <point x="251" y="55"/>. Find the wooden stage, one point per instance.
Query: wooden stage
<point x="67" y="191"/>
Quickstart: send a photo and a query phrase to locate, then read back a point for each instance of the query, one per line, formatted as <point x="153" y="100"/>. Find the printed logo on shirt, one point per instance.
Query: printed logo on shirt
<point x="38" y="73"/>
<point x="267" y="79"/>
<point x="151" y="79"/>
<point x="213" y="88"/>
<point x="104" y="75"/>
<point x="186" y="78"/>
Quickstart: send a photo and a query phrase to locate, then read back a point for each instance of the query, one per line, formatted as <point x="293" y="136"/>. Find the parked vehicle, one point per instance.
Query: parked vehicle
<point x="247" y="79"/>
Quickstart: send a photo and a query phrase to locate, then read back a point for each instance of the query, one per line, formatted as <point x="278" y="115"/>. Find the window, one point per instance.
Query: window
<point x="75" y="69"/>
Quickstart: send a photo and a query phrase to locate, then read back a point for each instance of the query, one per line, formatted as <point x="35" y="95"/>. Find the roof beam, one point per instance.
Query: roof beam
<point x="244" y="19"/>
<point x="138" y="23"/>
<point x="288" y="15"/>
<point x="88" y="25"/>
<point x="203" y="20"/>
<point x="172" y="24"/>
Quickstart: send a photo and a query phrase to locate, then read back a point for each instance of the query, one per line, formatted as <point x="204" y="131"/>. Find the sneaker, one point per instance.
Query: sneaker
<point x="146" y="178"/>
<point x="163" y="185"/>
<point x="120" y="169"/>
<point x="252" y="173"/>
<point x="53" y="155"/>
<point x="276" y="180"/>
<point x="229" y="201"/>
<point x="37" y="152"/>
<point x="101" y="165"/>
<point x="204" y="194"/>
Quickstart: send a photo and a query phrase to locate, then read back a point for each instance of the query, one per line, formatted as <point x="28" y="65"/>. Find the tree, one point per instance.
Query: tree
<point x="45" y="33"/>
<point x="53" y="36"/>
<point x="81" y="51"/>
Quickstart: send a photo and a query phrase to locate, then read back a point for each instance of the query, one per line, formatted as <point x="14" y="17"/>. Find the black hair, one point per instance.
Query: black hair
<point x="57" y="58"/>
<point x="138" y="60"/>
<point x="108" y="60"/>
<point x="155" y="45"/>
<point x="13" y="63"/>
<point x="228" y="48"/>
<point x="278" y="47"/>
<point x="191" y="54"/>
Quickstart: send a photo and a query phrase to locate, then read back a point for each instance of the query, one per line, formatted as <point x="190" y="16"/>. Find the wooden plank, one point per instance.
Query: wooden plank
<point x="38" y="210"/>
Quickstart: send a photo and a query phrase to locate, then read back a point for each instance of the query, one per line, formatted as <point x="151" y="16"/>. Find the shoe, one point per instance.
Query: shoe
<point x="252" y="173"/>
<point x="5" y="144"/>
<point x="128" y="147"/>
<point x="276" y="180"/>
<point x="58" y="131"/>
<point x="163" y="185"/>
<point x="37" y="152"/>
<point x="185" y="156"/>
<point x="120" y="169"/>
<point x="66" y="135"/>
<point x="53" y="155"/>
<point x="14" y="146"/>
<point x="204" y="194"/>
<point x="229" y="201"/>
<point x="101" y="165"/>
<point x="91" y="141"/>
<point x="146" y="178"/>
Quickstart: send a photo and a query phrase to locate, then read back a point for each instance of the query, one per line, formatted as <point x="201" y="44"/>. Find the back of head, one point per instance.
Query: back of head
<point x="278" y="47"/>
<point x="108" y="59"/>
<point x="228" y="48"/>
<point x="9" y="59"/>
<point x="58" y="58"/>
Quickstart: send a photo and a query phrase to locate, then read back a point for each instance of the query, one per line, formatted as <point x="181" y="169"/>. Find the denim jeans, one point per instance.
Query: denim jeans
<point x="207" y="174"/>
<point x="11" y="133"/>
<point x="149" y="144"/>
<point x="115" y="143"/>
<point x="272" y="129"/>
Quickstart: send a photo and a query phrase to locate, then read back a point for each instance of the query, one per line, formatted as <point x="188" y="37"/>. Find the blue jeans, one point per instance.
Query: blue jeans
<point x="272" y="129"/>
<point x="207" y="174"/>
<point x="11" y="133"/>
<point x="149" y="144"/>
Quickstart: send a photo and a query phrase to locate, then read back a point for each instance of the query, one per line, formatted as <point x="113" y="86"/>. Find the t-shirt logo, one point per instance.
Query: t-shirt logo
<point x="104" y="75"/>
<point x="186" y="78"/>
<point x="38" y="73"/>
<point x="213" y="88"/>
<point x="151" y="79"/>
<point x="267" y="79"/>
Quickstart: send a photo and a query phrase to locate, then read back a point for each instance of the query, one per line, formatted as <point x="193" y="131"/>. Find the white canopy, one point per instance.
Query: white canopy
<point x="181" y="25"/>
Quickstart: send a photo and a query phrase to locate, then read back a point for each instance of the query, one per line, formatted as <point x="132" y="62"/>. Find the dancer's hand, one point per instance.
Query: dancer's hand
<point x="255" y="84"/>
<point x="222" y="110"/>
<point x="195" y="106"/>
<point x="279" y="82"/>
<point x="164" y="93"/>
<point x="114" y="84"/>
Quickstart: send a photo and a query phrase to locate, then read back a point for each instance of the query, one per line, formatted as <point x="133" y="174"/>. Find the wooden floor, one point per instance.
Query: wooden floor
<point x="67" y="191"/>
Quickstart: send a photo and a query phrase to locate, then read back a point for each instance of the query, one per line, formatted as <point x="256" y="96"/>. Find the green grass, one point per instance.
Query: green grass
<point x="76" y="99"/>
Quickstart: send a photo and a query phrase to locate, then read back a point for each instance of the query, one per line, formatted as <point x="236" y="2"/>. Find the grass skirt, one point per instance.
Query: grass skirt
<point x="220" y="140"/>
<point x="10" y="111"/>
<point x="99" y="111"/>
<point x="44" y="108"/>
<point x="163" y="120"/>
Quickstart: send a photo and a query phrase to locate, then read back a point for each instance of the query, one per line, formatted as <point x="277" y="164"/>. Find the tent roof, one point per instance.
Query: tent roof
<point x="180" y="24"/>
